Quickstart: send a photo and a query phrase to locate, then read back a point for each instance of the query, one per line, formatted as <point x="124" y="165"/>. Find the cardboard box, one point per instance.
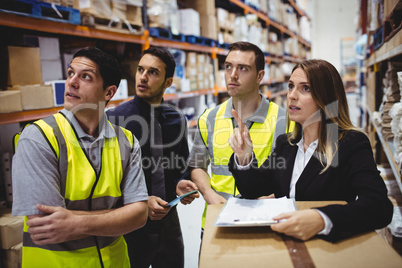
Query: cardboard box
<point x="259" y="246"/>
<point x="157" y="12"/>
<point x="58" y="88"/>
<point x="24" y="66"/>
<point x="204" y="7"/>
<point x="177" y="83"/>
<point x="134" y="15"/>
<point x="35" y="96"/>
<point x="12" y="258"/>
<point x="97" y="8"/>
<point x="201" y="58"/>
<point x="191" y="59"/>
<point x="10" y="101"/>
<point x="191" y="71"/>
<point x="11" y="228"/>
<point x="208" y="26"/>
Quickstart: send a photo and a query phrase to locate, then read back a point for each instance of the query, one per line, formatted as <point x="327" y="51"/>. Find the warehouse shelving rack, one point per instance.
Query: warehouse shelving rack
<point x="66" y="29"/>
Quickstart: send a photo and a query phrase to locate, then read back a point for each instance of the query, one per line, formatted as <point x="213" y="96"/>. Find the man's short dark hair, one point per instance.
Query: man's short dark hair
<point x="246" y="46"/>
<point x="109" y="68"/>
<point x="165" y="56"/>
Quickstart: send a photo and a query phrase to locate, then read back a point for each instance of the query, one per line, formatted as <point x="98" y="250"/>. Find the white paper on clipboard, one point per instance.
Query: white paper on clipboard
<point x="253" y="212"/>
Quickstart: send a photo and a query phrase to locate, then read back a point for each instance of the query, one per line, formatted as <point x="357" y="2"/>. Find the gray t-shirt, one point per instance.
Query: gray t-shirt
<point x="35" y="173"/>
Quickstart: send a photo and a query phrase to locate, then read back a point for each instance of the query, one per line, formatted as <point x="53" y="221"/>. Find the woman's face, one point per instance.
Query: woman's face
<point x="301" y="106"/>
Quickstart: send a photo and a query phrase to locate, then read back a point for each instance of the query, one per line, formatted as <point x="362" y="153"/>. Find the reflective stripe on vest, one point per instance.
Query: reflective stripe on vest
<point x="83" y="189"/>
<point x="216" y="130"/>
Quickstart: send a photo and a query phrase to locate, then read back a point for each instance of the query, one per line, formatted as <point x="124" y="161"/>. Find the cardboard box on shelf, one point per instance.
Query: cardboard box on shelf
<point x="157" y="13"/>
<point x="185" y="84"/>
<point x="191" y="71"/>
<point x="119" y="9"/>
<point x="222" y="16"/>
<point x="11" y="228"/>
<point x="201" y="84"/>
<point x="24" y="66"/>
<point x="204" y="7"/>
<point x="177" y="83"/>
<point x="208" y="26"/>
<point x="10" y="101"/>
<point x="193" y="83"/>
<point x="97" y="8"/>
<point x="134" y="15"/>
<point x="35" y="96"/>
<point x="191" y="59"/>
<point x="12" y="258"/>
<point x="201" y="58"/>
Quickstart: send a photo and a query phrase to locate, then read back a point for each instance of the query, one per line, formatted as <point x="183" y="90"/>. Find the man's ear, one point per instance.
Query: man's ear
<point x="168" y="82"/>
<point x="260" y="76"/>
<point x="109" y="92"/>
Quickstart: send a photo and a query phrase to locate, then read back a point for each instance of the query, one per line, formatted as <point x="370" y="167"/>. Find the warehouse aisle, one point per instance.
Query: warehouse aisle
<point x="190" y="220"/>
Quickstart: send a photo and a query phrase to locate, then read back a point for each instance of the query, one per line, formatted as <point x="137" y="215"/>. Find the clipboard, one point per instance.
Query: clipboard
<point x="253" y="212"/>
<point x="175" y="201"/>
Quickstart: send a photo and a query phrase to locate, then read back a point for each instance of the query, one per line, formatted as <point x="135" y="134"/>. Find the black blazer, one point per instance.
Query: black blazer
<point x="352" y="177"/>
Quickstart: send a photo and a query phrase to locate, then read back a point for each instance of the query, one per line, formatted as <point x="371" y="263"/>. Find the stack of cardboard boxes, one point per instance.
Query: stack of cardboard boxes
<point x="31" y="68"/>
<point x="25" y="89"/>
<point x="199" y="71"/>
<point x="206" y="11"/>
<point x="11" y="228"/>
<point x="226" y="26"/>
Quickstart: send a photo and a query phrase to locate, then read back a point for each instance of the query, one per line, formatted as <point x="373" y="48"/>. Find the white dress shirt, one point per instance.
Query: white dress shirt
<point x="302" y="158"/>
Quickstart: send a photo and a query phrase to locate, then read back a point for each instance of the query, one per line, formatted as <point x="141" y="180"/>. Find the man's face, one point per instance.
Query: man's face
<point x="84" y="85"/>
<point x="241" y="73"/>
<point x="150" y="79"/>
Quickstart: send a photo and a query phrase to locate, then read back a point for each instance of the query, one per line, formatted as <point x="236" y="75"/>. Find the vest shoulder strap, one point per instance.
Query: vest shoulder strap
<point x="208" y="118"/>
<point x="125" y="140"/>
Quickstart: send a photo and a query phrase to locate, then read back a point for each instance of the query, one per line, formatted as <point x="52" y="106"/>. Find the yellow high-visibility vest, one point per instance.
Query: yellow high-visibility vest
<point x="83" y="189"/>
<point x="216" y="129"/>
